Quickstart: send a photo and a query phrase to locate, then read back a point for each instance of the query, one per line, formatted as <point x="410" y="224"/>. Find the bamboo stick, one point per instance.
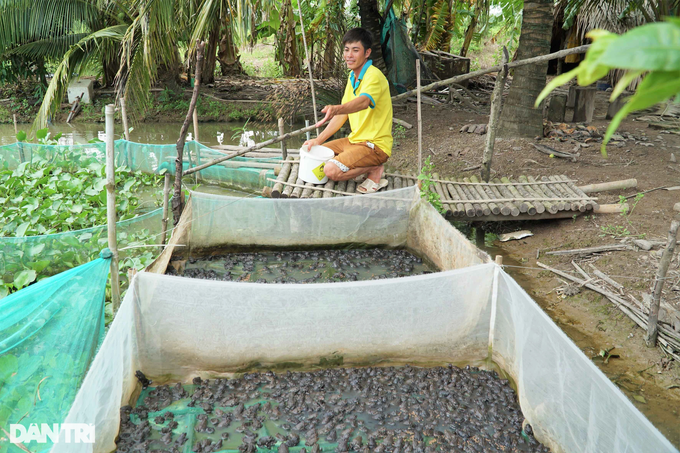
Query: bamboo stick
<point x="542" y="191"/>
<point x="341" y="185"/>
<point x="507" y="208"/>
<point x="652" y="321"/>
<point x="588" y="203"/>
<point x="536" y="183"/>
<point x="495" y="208"/>
<point x="494" y="116"/>
<point x="486" y="209"/>
<point x="397" y="182"/>
<point x="549" y="189"/>
<point x="573" y="204"/>
<point x="195" y="118"/>
<point x="330" y="184"/>
<point x="510" y="191"/>
<point x="166" y="200"/>
<point x="479" y="211"/>
<point x="570" y="192"/>
<point x="457" y="209"/>
<point x="448" y="211"/>
<point x="390" y="184"/>
<point x="292" y="178"/>
<point x="350" y="187"/>
<point x="309" y="65"/>
<point x="298" y="190"/>
<point x="532" y="192"/>
<point x="282" y="130"/>
<point x="420" y="119"/>
<point x="472" y="75"/>
<point x="283" y="177"/>
<point x="606" y="186"/>
<point x="468" y="208"/>
<point x="533" y="207"/>
<point x="307" y="190"/>
<point x="111" y="205"/>
<point x="123" y="114"/>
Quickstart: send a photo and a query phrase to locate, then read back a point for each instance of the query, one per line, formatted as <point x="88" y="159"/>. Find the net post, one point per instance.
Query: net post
<point x="420" y="119"/>
<point x="123" y="114"/>
<point x="111" y="205"/>
<point x="499" y="260"/>
<point x="195" y="117"/>
<point x="166" y="197"/>
<point x="284" y="151"/>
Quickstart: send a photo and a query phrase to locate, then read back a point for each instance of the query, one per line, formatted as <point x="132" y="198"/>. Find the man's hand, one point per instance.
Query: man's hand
<point x="313" y="142"/>
<point x="330" y="111"/>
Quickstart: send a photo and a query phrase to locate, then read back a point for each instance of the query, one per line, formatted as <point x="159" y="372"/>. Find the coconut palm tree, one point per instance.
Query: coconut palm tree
<point x="519" y="117"/>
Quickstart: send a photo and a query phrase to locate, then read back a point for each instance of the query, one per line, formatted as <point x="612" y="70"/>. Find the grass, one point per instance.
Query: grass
<point x="259" y="61"/>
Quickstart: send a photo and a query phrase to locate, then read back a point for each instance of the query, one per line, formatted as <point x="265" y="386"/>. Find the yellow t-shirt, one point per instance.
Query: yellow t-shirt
<point x="373" y="124"/>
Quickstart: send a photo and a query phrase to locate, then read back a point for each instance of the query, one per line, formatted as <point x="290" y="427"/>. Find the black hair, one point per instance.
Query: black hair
<point x="359" y="35"/>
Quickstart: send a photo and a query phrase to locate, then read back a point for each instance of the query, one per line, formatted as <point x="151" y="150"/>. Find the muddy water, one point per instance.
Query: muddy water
<point x="210" y="134"/>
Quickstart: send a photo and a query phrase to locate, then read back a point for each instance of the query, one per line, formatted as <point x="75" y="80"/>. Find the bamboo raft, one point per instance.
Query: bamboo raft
<point x="521" y="198"/>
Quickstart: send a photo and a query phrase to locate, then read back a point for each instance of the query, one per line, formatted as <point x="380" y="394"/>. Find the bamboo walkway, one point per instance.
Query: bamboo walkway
<point x="521" y="198"/>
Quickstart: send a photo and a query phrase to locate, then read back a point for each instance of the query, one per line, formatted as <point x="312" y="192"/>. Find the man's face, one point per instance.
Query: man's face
<point x="355" y="55"/>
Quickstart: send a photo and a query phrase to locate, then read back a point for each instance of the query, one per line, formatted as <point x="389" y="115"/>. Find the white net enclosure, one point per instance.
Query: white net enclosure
<point x="176" y="328"/>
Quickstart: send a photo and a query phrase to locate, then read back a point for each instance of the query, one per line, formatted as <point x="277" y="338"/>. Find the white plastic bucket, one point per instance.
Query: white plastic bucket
<point x="312" y="163"/>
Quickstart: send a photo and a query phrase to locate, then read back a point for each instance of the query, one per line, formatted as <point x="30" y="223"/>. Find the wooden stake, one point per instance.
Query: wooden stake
<point x="309" y="135"/>
<point x="166" y="197"/>
<point x="613" y="185"/>
<point x="16" y="129"/>
<point x="284" y="151"/>
<point x="499" y="260"/>
<point x="420" y="120"/>
<point x="123" y="114"/>
<point x="21" y="146"/>
<point x="652" y="327"/>
<point x="111" y="205"/>
<point x="309" y="66"/>
<point x="195" y="116"/>
<point x="177" y="198"/>
<point x="494" y="116"/>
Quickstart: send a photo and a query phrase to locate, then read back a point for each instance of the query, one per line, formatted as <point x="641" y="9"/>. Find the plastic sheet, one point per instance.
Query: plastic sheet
<point x="49" y="334"/>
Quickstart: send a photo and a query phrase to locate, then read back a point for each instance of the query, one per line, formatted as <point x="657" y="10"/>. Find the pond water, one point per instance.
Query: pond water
<point x="210" y="134"/>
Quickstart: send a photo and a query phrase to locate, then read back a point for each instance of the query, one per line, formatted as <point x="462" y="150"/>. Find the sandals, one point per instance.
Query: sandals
<point x="369" y="186"/>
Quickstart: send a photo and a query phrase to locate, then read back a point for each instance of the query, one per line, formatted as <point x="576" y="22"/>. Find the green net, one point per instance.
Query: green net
<point x="49" y="333"/>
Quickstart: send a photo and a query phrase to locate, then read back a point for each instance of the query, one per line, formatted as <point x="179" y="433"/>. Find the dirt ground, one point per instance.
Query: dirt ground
<point x="646" y="376"/>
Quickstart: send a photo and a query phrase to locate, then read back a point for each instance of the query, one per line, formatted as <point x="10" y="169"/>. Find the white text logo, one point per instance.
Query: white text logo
<point x="65" y="433"/>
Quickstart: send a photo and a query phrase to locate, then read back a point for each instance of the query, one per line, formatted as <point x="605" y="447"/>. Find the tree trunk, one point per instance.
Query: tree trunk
<point x="287" y="50"/>
<point x="469" y="33"/>
<point x="210" y="58"/>
<point x="227" y="53"/>
<point x="519" y="117"/>
<point x="372" y="21"/>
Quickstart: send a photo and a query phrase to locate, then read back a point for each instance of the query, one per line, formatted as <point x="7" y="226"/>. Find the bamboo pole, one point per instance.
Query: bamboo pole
<point x="472" y="75"/>
<point x="652" y="321"/>
<point x="284" y="151"/>
<point x="111" y="205"/>
<point x="123" y="114"/>
<point x="16" y="129"/>
<point x="309" y="65"/>
<point x="420" y="120"/>
<point x="195" y="118"/>
<point x="282" y="178"/>
<point x="494" y="116"/>
<point x="613" y="185"/>
<point x="309" y="134"/>
<point x="177" y="198"/>
<point x="166" y="200"/>
<point x="21" y="146"/>
<point x="249" y="149"/>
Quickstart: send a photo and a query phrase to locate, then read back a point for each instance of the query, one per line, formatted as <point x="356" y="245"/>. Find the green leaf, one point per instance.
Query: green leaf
<point x="128" y="184"/>
<point x="24" y="277"/>
<point x="651" y="47"/>
<point x="41" y="134"/>
<point x="4" y="292"/>
<point x="21" y="136"/>
<point x="9" y="365"/>
<point x="624" y="82"/>
<point x="39" y="266"/>
<point x="21" y="229"/>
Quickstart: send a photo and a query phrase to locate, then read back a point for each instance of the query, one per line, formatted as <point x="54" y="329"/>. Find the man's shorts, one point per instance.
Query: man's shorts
<point x="354" y="155"/>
